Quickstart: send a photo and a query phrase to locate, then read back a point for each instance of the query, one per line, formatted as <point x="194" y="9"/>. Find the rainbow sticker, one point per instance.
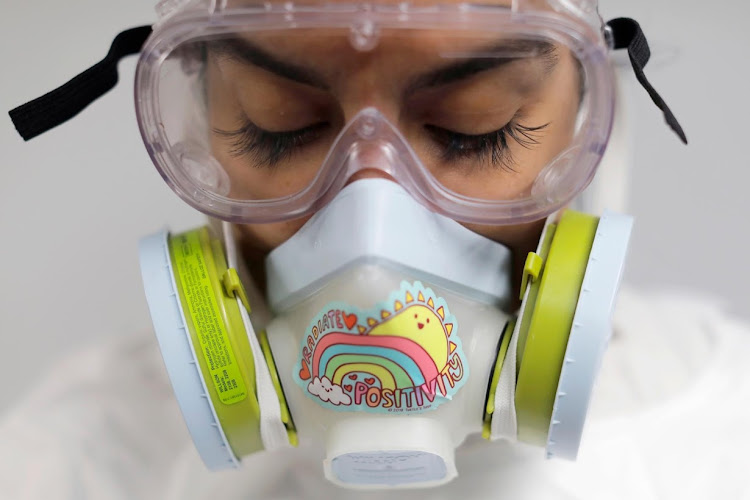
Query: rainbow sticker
<point x="402" y="355"/>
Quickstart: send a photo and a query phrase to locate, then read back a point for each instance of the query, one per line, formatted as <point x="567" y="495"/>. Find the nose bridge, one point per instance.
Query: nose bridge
<point x="372" y="142"/>
<point x="365" y="84"/>
<point x="371" y="108"/>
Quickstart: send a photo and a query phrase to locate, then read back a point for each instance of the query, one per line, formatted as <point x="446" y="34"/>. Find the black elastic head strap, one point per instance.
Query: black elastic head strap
<point x="63" y="103"/>
<point x="627" y="34"/>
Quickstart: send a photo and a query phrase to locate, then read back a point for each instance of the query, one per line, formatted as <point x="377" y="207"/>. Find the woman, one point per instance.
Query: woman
<point x="276" y="122"/>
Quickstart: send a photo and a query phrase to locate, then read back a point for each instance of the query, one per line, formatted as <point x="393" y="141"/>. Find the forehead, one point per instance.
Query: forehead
<point x="306" y="50"/>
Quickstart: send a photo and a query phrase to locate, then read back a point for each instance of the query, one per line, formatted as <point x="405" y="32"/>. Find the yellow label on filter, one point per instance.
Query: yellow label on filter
<point x="203" y="308"/>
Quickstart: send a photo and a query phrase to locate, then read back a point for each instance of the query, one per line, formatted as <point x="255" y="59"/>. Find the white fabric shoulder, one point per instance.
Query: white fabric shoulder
<point x="680" y="428"/>
<point x="102" y="425"/>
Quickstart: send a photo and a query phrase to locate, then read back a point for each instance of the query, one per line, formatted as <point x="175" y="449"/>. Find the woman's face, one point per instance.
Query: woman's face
<point x="483" y="127"/>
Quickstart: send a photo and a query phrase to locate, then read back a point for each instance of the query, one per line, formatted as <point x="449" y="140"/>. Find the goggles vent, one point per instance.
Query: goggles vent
<point x="367" y="125"/>
<point x="200" y="166"/>
<point x="364" y="34"/>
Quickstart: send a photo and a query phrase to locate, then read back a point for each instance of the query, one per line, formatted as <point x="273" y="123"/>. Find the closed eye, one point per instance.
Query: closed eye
<point x="266" y="148"/>
<point x="492" y="147"/>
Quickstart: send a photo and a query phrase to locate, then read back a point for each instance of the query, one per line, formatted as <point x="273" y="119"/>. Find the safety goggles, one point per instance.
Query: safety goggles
<point x="494" y="114"/>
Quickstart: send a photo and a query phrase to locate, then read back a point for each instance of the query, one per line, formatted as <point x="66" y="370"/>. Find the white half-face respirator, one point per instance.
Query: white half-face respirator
<point x="391" y="339"/>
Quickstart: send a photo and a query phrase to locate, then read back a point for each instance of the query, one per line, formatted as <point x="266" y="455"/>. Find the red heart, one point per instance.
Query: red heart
<point x="304" y="372"/>
<point x="350" y="320"/>
<point x="353" y="376"/>
<point x="347" y="387"/>
<point x="369" y="381"/>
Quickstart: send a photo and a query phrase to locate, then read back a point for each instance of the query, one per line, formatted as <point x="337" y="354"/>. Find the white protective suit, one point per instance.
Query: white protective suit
<point x="669" y="421"/>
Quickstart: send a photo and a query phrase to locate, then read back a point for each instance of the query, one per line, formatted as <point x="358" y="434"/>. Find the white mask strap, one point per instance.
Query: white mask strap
<point x="272" y="429"/>
<point x="504" y="422"/>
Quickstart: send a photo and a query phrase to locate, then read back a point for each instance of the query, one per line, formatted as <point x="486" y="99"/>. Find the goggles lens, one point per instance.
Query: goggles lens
<point x="482" y="124"/>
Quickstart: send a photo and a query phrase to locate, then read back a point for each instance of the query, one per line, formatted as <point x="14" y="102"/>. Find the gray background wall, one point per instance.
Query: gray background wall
<point x="74" y="201"/>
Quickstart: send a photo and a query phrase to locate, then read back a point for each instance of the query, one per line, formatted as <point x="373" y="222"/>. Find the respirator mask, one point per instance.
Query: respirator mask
<point x="388" y="331"/>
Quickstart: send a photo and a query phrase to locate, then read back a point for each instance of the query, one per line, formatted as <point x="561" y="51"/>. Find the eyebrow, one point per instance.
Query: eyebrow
<point x="470" y="63"/>
<point x="249" y="53"/>
<point x="495" y="56"/>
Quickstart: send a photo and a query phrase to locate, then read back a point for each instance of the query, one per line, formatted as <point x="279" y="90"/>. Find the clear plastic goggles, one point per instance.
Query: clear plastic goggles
<point x="486" y="114"/>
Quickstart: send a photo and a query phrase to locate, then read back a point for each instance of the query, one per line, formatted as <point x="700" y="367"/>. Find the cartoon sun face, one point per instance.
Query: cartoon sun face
<point x="423" y="325"/>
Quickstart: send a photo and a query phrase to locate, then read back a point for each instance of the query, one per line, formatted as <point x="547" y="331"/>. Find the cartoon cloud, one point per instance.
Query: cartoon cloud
<point x="326" y="391"/>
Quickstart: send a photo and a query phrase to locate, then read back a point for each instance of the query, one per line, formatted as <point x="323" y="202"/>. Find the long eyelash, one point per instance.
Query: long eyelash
<point x="493" y="145"/>
<point x="267" y="148"/>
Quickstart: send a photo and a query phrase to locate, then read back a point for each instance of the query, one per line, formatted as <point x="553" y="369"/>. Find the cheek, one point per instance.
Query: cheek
<point x="256" y="240"/>
<point x="519" y="238"/>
